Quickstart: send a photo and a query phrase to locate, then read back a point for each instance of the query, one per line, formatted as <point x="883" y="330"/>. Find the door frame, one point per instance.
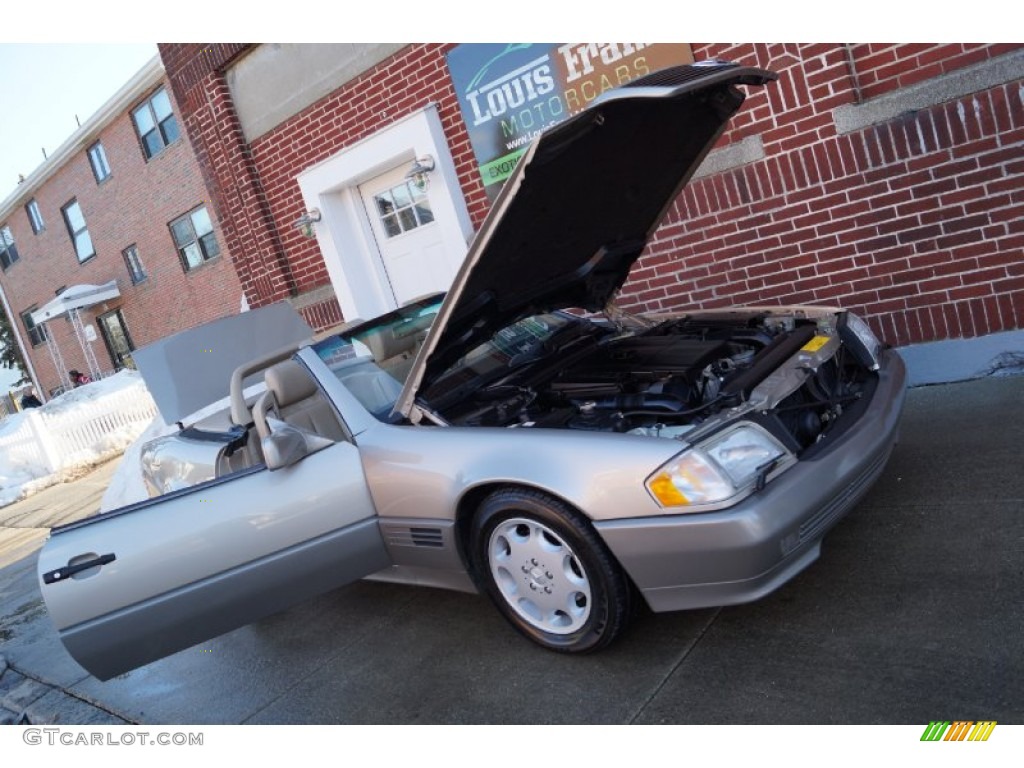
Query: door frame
<point x="346" y="241"/>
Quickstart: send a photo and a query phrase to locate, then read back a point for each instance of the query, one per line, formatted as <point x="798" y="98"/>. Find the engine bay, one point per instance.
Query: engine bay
<point x="670" y="378"/>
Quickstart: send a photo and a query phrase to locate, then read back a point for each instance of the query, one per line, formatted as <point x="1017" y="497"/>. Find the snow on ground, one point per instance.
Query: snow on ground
<point x="21" y="475"/>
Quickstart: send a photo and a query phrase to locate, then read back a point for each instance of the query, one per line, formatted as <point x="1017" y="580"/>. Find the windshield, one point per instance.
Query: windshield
<point x="372" y="360"/>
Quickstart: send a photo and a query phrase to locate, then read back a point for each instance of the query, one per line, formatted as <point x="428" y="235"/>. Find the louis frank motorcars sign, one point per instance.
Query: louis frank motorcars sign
<point x="509" y="92"/>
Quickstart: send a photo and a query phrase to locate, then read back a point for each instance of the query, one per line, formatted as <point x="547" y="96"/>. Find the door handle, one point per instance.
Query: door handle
<point x="70" y="570"/>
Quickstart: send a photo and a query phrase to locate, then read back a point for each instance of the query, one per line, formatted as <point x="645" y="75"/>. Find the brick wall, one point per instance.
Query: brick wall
<point x="254" y="187"/>
<point x="918" y="223"/>
<point x="884" y="67"/>
<point x="133" y="206"/>
<point x="915" y="222"/>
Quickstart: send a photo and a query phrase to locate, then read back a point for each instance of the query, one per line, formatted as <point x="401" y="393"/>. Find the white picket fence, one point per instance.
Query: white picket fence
<point x="84" y="434"/>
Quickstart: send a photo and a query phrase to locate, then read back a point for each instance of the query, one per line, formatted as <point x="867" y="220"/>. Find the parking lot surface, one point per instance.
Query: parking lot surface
<point x="912" y="614"/>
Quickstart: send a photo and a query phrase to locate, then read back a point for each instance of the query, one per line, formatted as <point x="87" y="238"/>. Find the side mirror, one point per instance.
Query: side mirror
<point x="283" y="447"/>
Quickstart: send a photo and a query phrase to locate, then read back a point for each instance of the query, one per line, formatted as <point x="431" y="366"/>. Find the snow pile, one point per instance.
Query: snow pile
<point x="127" y="486"/>
<point x="84" y="427"/>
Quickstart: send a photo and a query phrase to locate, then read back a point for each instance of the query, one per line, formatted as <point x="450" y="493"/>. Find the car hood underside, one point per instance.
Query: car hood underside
<point x="581" y="205"/>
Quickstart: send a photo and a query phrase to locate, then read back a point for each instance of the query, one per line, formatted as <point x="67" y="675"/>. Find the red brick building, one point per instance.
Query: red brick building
<point x="121" y="204"/>
<point x="886" y="178"/>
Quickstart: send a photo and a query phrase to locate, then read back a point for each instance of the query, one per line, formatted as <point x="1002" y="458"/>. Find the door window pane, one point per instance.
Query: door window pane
<point x="402" y="208"/>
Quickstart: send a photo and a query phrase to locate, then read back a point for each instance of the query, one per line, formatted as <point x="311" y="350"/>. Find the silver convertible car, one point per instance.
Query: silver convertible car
<point x="521" y="436"/>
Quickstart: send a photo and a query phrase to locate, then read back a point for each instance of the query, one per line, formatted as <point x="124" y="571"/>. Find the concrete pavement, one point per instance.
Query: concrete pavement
<point x="912" y="614"/>
<point x="24" y="525"/>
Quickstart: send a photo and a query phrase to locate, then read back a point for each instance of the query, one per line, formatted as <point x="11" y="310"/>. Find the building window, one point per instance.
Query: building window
<point x="155" y="123"/>
<point x="98" y="161"/>
<point x="135" y="269"/>
<point x="36" y="333"/>
<point x="79" y="232"/>
<point x="35" y="218"/>
<point x="194" y="238"/>
<point x="8" y="252"/>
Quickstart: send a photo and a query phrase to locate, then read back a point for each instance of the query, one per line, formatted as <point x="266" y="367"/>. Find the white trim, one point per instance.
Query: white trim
<point x="344" y="235"/>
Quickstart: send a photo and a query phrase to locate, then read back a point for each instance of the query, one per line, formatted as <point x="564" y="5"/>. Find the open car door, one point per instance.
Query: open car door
<point x="144" y="581"/>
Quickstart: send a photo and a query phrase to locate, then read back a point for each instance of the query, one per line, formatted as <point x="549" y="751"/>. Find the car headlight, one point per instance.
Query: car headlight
<point x="717" y="470"/>
<point x="860" y="339"/>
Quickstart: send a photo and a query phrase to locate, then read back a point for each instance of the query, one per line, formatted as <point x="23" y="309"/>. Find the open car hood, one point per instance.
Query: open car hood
<point x="580" y="207"/>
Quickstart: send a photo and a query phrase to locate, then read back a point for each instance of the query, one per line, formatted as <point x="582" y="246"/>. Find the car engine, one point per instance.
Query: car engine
<point x="790" y="371"/>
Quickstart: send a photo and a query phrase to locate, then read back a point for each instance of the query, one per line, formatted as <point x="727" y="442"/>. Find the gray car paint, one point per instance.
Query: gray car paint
<point x="740" y="554"/>
<point x="223" y="544"/>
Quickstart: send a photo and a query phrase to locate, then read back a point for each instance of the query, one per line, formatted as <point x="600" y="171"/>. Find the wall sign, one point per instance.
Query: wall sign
<point x="509" y="92"/>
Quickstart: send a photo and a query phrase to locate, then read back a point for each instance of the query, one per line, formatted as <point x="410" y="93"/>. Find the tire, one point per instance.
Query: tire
<point x="548" y="572"/>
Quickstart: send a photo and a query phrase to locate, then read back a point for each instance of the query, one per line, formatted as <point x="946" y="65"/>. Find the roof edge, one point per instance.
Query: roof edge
<point x="150" y="74"/>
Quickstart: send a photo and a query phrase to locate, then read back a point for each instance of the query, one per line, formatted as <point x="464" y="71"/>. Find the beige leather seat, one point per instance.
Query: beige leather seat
<point x="393" y="354"/>
<point x="298" y="402"/>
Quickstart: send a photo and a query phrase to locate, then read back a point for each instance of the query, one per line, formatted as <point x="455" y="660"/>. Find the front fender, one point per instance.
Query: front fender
<point x="424" y="471"/>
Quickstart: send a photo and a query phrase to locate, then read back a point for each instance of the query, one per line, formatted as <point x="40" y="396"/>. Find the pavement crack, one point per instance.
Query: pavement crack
<point x="665" y="678"/>
<point x="66" y="690"/>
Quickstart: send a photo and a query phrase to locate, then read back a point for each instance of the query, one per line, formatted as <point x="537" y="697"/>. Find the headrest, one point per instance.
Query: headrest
<point x="384" y="345"/>
<point x="289" y="382"/>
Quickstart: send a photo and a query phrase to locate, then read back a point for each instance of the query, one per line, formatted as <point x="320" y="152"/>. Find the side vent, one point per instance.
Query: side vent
<point x="427" y="537"/>
<point x="415" y="536"/>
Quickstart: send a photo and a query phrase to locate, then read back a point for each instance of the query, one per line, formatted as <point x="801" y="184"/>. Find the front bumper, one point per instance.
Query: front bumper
<point x="741" y="554"/>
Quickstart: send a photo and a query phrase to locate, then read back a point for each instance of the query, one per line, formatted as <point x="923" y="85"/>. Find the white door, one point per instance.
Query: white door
<point x="410" y="242"/>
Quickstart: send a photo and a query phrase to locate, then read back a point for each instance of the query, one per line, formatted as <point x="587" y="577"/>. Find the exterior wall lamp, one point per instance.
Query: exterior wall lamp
<point x="305" y="222"/>
<point x="418" y="173"/>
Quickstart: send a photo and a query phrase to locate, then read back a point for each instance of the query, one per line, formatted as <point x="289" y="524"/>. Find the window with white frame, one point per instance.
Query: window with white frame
<point x="98" y="161"/>
<point x="8" y="251"/>
<point x="194" y="238"/>
<point x="402" y="208"/>
<point x="35" y="217"/>
<point x="155" y="123"/>
<point x="78" y="231"/>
